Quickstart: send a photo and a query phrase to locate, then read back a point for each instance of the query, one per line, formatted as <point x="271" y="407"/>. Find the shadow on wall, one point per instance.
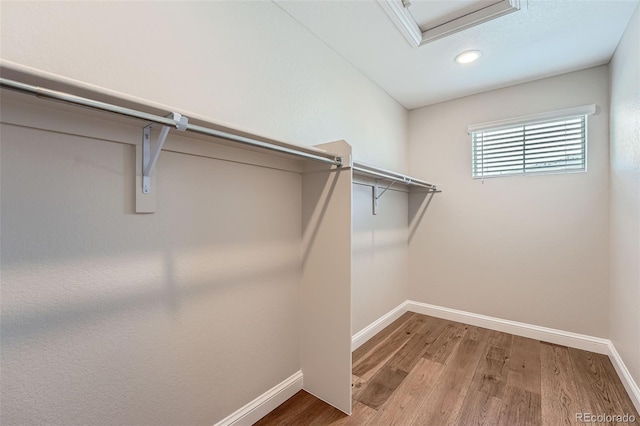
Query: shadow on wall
<point x="418" y="204"/>
<point x="385" y="219"/>
<point x="62" y="218"/>
<point x="58" y="317"/>
<point x="311" y="220"/>
<point x="370" y="243"/>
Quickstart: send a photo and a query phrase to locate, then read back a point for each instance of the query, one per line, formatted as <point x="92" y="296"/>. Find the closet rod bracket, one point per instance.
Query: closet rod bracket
<point x="150" y="154"/>
<point x="375" y="195"/>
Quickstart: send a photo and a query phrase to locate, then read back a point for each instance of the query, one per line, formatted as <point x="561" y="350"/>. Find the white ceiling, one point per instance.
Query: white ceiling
<point x="548" y="37"/>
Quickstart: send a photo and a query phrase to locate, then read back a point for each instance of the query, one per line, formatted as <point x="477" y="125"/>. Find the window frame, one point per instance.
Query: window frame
<point x="557" y="115"/>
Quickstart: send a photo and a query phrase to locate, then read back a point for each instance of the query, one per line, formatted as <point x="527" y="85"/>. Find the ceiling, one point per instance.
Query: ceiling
<point x="544" y="38"/>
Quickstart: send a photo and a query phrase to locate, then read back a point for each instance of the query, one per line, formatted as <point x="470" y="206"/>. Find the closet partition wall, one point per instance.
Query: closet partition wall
<point x="326" y="281"/>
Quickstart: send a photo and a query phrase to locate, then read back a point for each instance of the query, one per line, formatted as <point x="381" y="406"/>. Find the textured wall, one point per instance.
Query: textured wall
<point x="109" y="317"/>
<point x="625" y="197"/>
<point x="185" y="315"/>
<point x="244" y="63"/>
<point x="532" y="249"/>
<point x="380" y="255"/>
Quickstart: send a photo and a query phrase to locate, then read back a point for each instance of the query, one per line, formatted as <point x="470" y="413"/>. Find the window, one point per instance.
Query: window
<point x="545" y="143"/>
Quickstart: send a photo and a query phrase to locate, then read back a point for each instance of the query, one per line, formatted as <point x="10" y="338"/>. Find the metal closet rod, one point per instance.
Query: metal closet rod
<point x="391" y="176"/>
<point x="41" y="92"/>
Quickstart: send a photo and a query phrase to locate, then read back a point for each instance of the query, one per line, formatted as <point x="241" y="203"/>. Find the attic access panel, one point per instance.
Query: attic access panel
<point x="423" y="21"/>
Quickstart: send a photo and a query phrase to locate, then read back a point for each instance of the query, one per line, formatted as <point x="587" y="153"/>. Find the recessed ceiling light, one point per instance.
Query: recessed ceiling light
<point x="468" y="56"/>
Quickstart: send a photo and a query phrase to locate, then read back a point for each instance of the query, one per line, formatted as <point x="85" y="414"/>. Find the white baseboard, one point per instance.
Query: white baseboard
<point x="551" y="335"/>
<point x="265" y="403"/>
<point x="627" y="380"/>
<point x="375" y="327"/>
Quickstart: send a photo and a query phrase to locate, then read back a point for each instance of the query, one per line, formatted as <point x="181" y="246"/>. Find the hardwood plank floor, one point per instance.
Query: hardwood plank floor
<point x="445" y="400"/>
<point x="380" y="387"/>
<point x="479" y="408"/>
<point x="598" y="386"/>
<point x="520" y="407"/>
<point x="558" y="385"/>
<point x="370" y="344"/>
<point x="370" y="363"/>
<point x="423" y="370"/>
<point x="524" y="367"/>
<point x="401" y="407"/>
<point x="491" y="374"/>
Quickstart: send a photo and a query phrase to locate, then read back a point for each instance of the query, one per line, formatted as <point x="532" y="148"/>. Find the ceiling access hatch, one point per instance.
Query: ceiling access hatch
<point x="423" y="21"/>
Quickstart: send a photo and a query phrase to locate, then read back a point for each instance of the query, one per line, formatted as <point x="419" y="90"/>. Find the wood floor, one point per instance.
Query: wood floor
<point x="423" y="370"/>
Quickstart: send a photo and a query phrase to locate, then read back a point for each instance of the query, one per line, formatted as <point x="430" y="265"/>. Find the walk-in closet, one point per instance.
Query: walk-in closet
<point x="315" y="212"/>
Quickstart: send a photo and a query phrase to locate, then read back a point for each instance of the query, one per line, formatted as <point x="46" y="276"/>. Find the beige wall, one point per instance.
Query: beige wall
<point x="109" y="317"/>
<point x="625" y="197"/>
<point x="244" y="63"/>
<point x="380" y="255"/>
<point x="532" y="249"/>
<point x="185" y="315"/>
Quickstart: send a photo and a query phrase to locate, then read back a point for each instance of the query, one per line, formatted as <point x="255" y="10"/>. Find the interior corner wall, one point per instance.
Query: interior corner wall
<point x="532" y="249"/>
<point x="624" y="327"/>
<point x="171" y="318"/>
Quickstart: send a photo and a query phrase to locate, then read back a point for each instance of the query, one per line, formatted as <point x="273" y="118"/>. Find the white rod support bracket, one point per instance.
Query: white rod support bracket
<point x="376" y="196"/>
<point x="150" y="154"/>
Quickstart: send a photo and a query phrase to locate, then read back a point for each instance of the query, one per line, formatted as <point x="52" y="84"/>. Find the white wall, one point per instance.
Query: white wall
<point x="185" y="315"/>
<point x="109" y="317"/>
<point x="247" y="64"/>
<point x="624" y="154"/>
<point x="532" y="249"/>
<point x="380" y="255"/>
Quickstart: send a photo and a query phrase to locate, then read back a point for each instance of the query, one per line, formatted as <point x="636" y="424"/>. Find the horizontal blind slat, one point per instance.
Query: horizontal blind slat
<point x="556" y="128"/>
<point x="547" y="146"/>
<point x="551" y="137"/>
<point x="540" y="162"/>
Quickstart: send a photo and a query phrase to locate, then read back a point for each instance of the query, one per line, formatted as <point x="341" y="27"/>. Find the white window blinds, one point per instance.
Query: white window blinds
<point x="540" y="146"/>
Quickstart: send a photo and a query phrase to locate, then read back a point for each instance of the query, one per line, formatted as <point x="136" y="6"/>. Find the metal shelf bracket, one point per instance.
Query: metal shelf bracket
<point x="375" y="195"/>
<point x="151" y="152"/>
